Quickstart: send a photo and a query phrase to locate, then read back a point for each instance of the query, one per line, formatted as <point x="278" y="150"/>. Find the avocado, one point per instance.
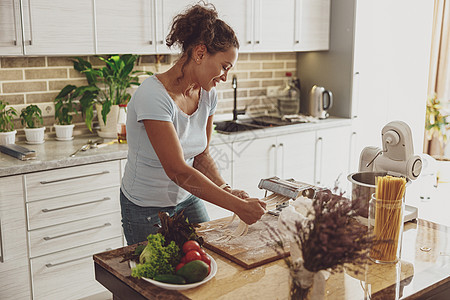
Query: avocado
<point x="194" y="271"/>
<point x="170" y="278"/>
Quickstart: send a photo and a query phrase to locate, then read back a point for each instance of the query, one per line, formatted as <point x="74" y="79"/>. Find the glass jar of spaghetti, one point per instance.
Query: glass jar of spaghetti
<point x="385" y="224"/>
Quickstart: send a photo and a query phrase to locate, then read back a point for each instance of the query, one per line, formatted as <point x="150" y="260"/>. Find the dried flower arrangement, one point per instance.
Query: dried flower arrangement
<point x="327" y="237"/>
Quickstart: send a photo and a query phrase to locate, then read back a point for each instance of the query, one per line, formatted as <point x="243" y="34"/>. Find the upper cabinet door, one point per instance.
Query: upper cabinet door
<point x="239" y="15"/>
<point x="10" y="28"/>
<point x="58" y="27"/>
<point x="273" y="25"/>
<point x="312" y="25"/>
<point x="165" y="11"/>
<point x="125" y="26"/>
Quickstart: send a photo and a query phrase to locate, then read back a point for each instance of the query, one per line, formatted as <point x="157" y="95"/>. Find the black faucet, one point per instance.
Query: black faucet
<point x="236" y="112"/>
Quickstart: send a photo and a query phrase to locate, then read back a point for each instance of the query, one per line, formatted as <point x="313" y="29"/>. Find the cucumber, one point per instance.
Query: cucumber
<point x="169" y="278"/>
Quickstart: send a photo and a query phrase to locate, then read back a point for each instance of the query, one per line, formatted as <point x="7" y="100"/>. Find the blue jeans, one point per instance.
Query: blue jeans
<point x="138" y="222"/>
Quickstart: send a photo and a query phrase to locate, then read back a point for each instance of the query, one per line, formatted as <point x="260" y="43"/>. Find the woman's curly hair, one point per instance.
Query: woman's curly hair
<point x="200" y="25"/>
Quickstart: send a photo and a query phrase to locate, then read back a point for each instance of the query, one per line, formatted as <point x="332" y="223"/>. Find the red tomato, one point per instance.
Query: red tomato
<point x="191" y="245"/>
<point x="183" y="259"/>
<point x="179" y="266"/>
<point x="206" y="259"/>
<point x="202" y="252"/>
<point x="193" y="255"/>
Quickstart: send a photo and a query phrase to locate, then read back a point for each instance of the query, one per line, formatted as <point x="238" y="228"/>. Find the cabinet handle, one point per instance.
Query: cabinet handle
<point x="50" y="265"/>
<point x="298" y="19"/>
<point x="47" y="238"/>
<point x="45" y="210"/>
<point x="30" y="41"/>
<point x="281" y="145"/>
<point x="2" y="253"/>
<point x="249" y="42"/>
<point x="319" y="161"/>
<point x="75" y="177"/>
<point x="15" y="23"/>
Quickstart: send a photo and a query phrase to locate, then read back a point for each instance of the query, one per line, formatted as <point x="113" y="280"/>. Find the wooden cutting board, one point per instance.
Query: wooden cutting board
<point x="251" y="250"/>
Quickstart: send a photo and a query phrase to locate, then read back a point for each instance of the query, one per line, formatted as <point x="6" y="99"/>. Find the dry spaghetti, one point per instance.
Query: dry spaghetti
<point x="387" y="229"/>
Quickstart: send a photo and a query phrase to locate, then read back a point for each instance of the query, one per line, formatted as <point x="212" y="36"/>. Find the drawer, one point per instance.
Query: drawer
<point x="73" y="234"/>
<point x="69" y="274"/>
<point x="72" y="180"/>
<point x="74" y="207"/>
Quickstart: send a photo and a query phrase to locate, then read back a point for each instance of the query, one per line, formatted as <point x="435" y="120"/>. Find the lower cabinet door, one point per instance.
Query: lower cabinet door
<point x="69" y="274"/>
<point x="73" y="234"/>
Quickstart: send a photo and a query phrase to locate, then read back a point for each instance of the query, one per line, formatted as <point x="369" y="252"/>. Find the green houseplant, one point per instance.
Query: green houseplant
<point x="31" y="118"/>
<point x="7" y="132"/>
<point x="436" y="126"/>
<point x="108" y="86"/>
<point x="65" y="108"/>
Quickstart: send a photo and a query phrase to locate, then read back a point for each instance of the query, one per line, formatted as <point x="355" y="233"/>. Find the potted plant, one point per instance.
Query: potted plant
<point x="436" y="126"/>
<point x="7" y="132"/>
<point x="64" y="111"/>
<point x="31" y="118"/>
<point x="108" y="87"/>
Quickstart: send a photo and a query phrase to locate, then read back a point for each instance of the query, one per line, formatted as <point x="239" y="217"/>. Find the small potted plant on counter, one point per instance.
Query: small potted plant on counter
<point x="108" y="87"/>
<point x="64" y="111"/>
<point x="7" y="132"/>
<point x="31" y="118"/>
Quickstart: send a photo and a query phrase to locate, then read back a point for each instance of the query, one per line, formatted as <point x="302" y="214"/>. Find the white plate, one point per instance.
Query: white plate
<point x="180" y="287"/>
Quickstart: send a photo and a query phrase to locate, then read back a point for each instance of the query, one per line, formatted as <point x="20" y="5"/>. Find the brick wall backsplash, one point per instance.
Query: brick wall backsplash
<point x="37" y="80"/>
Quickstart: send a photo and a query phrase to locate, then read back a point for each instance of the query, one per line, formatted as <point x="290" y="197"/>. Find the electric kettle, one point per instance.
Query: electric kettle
<point x="320" y="101"/>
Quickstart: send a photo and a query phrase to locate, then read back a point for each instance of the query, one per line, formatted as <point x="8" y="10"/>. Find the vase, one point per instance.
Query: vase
<point x="35" y="135"/>
<point x="8" y="137"/>
<point x="64" y="132"/>
<point x="108" y="130"/>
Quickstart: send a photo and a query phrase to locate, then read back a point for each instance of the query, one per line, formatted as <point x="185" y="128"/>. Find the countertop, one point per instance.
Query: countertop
<point x="422" y="272"/>
<point x="53" y="154"/>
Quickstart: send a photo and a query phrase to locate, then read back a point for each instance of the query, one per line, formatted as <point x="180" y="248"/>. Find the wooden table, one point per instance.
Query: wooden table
<point x="423" y="272"/>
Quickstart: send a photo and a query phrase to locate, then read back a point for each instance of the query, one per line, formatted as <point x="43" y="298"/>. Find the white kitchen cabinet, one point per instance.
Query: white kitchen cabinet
<point x="143" y="28"/>
<point x="14" y="270"/>
<point x="253" y="160"/>
<point x="294" y="153"/>
<point x="286" y="156"/>
<point x="278" y="26"/>
<point x="312" y="25"/>
<point x="10" y="28"/>
<point x="72" y="213"/>
<point x="332" y="157"/>
<point x="45" y="27"/>
<point x="377" y="67"/>
<point x="260" y="25"/>
<point x="239" y="15"/>
<point x="69" y="274"/>
<point x="57" y="27"/>
<point x="223" y="157"/>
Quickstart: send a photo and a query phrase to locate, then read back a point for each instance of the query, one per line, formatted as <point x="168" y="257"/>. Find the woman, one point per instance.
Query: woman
<point x="169" y="125"/>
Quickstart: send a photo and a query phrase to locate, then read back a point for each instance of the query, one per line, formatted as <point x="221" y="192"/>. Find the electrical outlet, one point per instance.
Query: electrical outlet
<point x="48" y="109"/>
<point x="272" y="91"/>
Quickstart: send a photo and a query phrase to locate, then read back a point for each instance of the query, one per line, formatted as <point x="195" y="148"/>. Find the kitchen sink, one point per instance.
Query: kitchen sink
<point x="250" y="124"/>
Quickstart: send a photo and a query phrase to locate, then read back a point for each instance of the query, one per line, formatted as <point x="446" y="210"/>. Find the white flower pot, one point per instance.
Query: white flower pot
<point x="64" y="132"/>
<point x="108" y="130"/>
<point x="34" y="135"/>
<point x="8" y="137"/>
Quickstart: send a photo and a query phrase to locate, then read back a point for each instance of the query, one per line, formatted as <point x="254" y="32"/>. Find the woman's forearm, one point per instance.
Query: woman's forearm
<point x="200" y="185"/>
<point x="207" y="166"/>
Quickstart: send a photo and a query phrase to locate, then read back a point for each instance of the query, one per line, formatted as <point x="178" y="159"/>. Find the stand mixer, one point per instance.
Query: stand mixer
<point x="397" y="156"/>
<point x="396" y="159"/>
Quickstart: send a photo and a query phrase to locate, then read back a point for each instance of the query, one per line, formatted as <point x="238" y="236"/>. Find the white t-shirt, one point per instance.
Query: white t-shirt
<point x="145" y="182"/>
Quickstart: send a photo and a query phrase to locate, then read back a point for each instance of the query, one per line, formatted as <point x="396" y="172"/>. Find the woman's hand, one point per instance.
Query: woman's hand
<point x="239" y="193"/>
<point x="251" y="210"/>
